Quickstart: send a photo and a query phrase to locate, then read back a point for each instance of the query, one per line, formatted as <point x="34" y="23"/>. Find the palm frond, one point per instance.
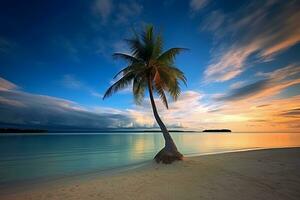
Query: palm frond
<point x="179" y="74"/>
<point x="159" y="90"/>
<point x="158" y="46"/>
<point x="169" y="55"/>
<point x="148" y="61"/>
<point x="136" y="47"/>
<point x="170" y="78"/>
<point x="138" y="87"/>
<point x="174" y="89"/>
<point x="136" y="66"/>
<point x="147" y="35"/>
<point x="119" y="85"/>
<point x="126" y="57"/>
<point x="148" y="41"/>
<point x="159" y="87"/>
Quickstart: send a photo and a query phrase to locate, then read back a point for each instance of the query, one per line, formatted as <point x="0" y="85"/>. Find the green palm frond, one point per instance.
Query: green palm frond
<point x="170" y="81"/>
<point x="174" y="90"/>
<point x="147" y="36"/>
<point x="138" y="87"/>
<point x="178" y="74"/>
<point x="119" y="85"/>
<point x="147" y="62"/>
<point x="159" y="86"/>
<point x="136" y="66"/>
<point x="148" y="42"/>
<point x="136" y="47"/>
<point x="170" y="54"/>
<point x="158" y="46"/>
<point x="126" y="57"/>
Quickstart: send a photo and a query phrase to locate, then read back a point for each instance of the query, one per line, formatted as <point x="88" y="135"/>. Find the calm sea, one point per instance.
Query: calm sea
<point x="40" y="157"/>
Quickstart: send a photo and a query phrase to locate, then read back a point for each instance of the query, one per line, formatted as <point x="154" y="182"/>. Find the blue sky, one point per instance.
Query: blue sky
<point x="242" y="55"/>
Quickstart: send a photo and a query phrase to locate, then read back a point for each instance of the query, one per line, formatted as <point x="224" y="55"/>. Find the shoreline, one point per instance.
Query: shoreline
<point x="25" y="185"/>
<point x="258" y="169"/>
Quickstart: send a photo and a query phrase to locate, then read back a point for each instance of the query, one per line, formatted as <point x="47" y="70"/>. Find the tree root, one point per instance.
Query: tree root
<point x="167" y="157"/>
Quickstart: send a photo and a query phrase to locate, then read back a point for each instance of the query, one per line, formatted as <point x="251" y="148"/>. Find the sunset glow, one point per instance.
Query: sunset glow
<point x="242" y="67"/>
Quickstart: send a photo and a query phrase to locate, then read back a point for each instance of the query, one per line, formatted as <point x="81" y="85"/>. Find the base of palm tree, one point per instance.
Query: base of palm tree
<point x="167" y="156"/>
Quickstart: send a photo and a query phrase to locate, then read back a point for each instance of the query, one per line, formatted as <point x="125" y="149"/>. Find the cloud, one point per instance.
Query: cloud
<point x="271" y="84"/>
<point x="248" y="90"/>
<point x="7" y="85"/>
<point x="188" y="104"/>
<point x="295" y="113"/>
<point x="24" y="109"/>
<point x="252" y="114"/>
<point x="127" y="11"/>
<point x="213" y="21"/>
<point x="190" y="112"/>
<point x="121" y="46"/>
<point x="71" y="82"/>
<point x="116" y="12"/>
<point x="237" y="84"/>
<point x="244" y="113"/>
<point x="103" y="8"/>
<point x="196" y="5"/>
<point x="125" y="15"/>
<point x="245" y="38"/>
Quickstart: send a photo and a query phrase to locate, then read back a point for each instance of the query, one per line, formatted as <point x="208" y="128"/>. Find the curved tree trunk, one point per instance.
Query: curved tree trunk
<point x="169" y="153"/>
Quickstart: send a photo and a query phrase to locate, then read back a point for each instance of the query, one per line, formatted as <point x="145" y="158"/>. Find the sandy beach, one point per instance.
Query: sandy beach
<point x="259" y="174"/>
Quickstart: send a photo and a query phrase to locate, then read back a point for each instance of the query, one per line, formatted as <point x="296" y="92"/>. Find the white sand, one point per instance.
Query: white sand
<point x="262" y="174"/>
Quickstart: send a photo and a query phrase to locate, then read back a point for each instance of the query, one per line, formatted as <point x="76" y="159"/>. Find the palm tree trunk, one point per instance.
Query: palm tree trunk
<point x="169" y="153"/>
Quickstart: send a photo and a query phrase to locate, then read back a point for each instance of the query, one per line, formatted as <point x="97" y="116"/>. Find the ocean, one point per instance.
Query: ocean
<point x="46" y="156"/>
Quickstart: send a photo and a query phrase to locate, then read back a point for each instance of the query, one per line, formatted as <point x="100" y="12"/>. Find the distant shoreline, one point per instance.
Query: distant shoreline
<point x="13" y="130"/>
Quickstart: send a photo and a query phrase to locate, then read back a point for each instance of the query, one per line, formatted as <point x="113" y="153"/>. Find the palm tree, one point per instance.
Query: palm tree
<point x="149" y="67"/>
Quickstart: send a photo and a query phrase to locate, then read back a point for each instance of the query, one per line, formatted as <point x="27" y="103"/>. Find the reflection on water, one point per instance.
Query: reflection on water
<point x="209" y="143"/>
<point x="30" y="157"/>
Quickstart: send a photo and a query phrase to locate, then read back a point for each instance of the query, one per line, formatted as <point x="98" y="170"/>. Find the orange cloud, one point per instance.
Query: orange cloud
<point x="280" y="31"/>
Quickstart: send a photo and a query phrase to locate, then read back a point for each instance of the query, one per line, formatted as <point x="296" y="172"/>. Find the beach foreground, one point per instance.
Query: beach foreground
<point x="260" y="174"/>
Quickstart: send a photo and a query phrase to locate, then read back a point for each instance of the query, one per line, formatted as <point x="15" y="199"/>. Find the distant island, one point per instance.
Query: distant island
<point x="16" y="130"/>
<point x="217" y="130"/>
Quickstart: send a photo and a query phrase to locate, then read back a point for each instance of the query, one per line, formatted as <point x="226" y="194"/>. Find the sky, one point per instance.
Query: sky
<point x="242" y="66"/>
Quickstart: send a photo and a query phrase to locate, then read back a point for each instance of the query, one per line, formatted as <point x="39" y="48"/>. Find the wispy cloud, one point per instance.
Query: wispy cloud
<point x="7" y="85"/>
<point x="188" y="104"/>
<point x="127" y="11"/>
<point x="272" y="83"/>
<point x="103" y="8"/>
<point x="213" y="21"/>
<point x="123" y="15"/>
<point x="116" y="12"/>
<point x="237" y="84"/>
<point x="245" y="37"/>
<point x="196" y="5"/>
<point x="294" y="113"/>
<point x="121" y="46"/>
<point x="71" y="82"/>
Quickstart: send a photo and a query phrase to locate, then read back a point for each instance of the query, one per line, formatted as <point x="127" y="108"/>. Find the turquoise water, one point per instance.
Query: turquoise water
<point x="40" y="157"/>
